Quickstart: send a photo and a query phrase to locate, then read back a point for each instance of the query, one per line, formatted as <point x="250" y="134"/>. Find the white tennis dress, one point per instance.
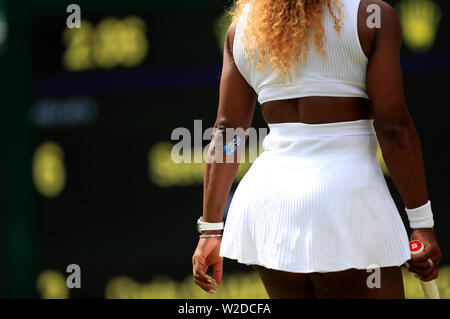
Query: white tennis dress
<point x="316" y="199"/>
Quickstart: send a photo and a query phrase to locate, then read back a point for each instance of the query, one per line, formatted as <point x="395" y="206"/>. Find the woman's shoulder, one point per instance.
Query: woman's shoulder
<point x="230" y="36"/>
<point x="376" y="20"/>
<point x="385" y="10"/>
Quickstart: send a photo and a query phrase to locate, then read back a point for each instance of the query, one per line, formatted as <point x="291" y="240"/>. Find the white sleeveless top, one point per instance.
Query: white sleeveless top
<point x="342" y="73"/>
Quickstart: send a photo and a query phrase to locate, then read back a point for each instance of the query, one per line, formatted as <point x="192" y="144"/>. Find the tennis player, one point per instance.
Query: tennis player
<point x="313" y="212"/>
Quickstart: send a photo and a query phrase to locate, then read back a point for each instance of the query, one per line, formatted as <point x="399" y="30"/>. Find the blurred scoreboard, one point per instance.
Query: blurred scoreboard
<point x="106" y="99"/>
<point x="103" y="102"/>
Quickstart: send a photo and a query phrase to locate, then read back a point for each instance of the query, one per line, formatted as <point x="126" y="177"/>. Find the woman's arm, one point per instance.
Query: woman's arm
<point x="236" y="108"/>
<point x="395" y="130"/>
<point x="237" y="102"/>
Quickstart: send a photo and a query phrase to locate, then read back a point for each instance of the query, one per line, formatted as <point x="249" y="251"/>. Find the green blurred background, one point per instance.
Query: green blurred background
<point x="86" y="121"/>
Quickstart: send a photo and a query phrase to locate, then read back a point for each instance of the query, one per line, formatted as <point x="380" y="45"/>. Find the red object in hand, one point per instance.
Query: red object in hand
<point x="416" y="247"/>
<point x="429" y="288"/>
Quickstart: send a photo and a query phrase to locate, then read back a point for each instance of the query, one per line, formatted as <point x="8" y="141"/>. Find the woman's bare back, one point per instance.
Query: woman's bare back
<point x="319" y="109"/>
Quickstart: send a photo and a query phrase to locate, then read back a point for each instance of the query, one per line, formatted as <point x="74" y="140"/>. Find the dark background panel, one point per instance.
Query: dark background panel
<point x="111" y="219"/>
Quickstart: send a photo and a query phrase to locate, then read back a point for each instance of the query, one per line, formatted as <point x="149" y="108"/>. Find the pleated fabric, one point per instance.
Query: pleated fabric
<point x="315" y="200"/>
<point x="342" y="73"/>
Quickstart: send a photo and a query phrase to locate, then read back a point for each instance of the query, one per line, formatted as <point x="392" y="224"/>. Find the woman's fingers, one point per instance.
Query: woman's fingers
<point x="425" y="265"/>
<point x="201" y="278"/>
<point x="423" y="273"/>
<point x="209" y="289"/>
<point x="217" y="271"/>
<point x="420" y="264"/>
<point x="431" y="276"/>
<point x="206" y="254"/>
<point x="204" y="278"/>
<point x="203" y="281"/>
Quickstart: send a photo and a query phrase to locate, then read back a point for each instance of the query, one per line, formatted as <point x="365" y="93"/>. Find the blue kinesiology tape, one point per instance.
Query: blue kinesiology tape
<point x="233" y="145"/>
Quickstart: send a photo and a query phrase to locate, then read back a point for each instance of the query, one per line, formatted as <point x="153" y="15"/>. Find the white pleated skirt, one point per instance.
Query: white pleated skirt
<point x="315" y="200"/>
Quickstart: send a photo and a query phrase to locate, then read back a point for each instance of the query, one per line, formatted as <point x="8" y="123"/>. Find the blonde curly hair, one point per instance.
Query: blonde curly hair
<point x="281" y="29"/>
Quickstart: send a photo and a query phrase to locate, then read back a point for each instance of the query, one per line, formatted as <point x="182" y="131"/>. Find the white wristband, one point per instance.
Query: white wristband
<point x="204" y="226"/>
<point x="420" y="217"/>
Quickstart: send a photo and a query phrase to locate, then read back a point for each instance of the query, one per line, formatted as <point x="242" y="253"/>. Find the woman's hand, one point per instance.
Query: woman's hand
<point x="206" y="254"/>
<point x="419" y="264"/>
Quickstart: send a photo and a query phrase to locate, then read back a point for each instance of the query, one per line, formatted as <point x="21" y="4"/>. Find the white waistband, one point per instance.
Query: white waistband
<point x="298" y="129"/>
